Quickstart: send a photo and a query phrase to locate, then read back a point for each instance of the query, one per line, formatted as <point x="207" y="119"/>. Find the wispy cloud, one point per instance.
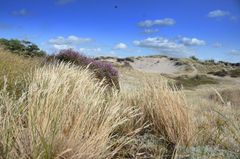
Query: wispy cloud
<point x="218" y="13"/>
<point x="157" y="22"/>
<point x="120" y="46"/>
<point x="21" y="12"/>
<point x="235" y="52"/>
<point x="71" y="41"/>
<point x="192" y="41"/>
<point x="217" y="45"/>
<point x="161" y="44"/>
<point x="150" y="31"/>
<point x="63" y="2"/>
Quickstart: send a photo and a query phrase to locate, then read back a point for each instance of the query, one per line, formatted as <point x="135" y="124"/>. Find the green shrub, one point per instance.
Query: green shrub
<point x="22" y="47"/>
<point x="221" y="73"/>
<point x="233" y="73"/>
<point x="194" y="58"/>
<point x="189" y="82"/>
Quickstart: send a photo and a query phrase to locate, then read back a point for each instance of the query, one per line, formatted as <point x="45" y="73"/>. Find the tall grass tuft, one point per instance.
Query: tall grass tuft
<point x="164" y="107"/>
<point x="14" y="68"/>
<point x="64" y="114"/>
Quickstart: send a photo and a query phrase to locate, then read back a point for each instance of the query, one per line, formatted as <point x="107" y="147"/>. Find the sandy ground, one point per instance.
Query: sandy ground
<point x="156" y="65"/>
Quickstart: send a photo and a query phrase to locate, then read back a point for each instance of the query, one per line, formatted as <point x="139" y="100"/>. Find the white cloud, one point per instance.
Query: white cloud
<point x="97" y="51"/>
<point x="235" y="52"/>
<point x="120" y="46"/>
<point x="218" y="13"/>
<point x="93" y="50"/>
<point x="150" y="31"/>
<point x="217" y="45"/>
<point x="161" y="44"/>
<point x="63" y="2"/>
<point x="192" y="41"/>
<point x="159" y="22"/>
<point x="21" y="12"/>
<point x="61" y="47"/>
<point x="71" y="41"/>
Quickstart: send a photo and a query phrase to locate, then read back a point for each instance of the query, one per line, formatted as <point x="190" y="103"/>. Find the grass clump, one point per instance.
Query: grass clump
<point x="232" y="73"/>
<point x="14" y="68"/>
<point x="165" y="110"/>
<point x="102" y="70"/>
<point x="235" y="72"/>
<point x="63" y="114"/>
<point x="227" y="96"/>
<point x="190" y="82"/>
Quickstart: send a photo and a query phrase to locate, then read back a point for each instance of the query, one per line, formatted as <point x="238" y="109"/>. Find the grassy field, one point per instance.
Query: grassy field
<point x="64" y="112"/>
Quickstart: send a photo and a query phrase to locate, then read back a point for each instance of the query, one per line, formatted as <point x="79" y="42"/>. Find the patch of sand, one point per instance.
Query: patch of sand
<point x="156" y="65"/>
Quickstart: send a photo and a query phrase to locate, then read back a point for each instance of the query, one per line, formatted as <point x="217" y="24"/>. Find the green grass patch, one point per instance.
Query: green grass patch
<point x="222" y="73"/>
<point x="190" y="82"/>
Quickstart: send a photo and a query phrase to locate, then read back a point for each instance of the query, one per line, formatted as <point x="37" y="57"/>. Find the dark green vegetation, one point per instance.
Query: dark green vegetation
<point x="190" y="82"/>
<point x="22" y="47"/>
<point x="194" y="58"/>
<point x="127" y="59"/>
<point x="222" y="73"/>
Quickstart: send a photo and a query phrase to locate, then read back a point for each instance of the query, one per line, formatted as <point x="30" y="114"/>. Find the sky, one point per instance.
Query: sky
<point x="207" y="29"/>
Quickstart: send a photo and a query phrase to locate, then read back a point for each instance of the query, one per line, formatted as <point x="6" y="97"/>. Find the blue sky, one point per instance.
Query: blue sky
<point x="208" y="29"/>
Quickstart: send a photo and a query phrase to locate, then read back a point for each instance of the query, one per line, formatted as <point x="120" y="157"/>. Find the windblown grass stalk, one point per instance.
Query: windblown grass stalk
<point x="15" y="68"/>
<point x="165" y="108"/>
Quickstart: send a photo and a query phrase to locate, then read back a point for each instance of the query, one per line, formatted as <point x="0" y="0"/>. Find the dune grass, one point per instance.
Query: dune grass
<point x="15" y="68"/>
<point x="66" y="113"/>
<point x="191" y="82"/>
<point x="63" y="111"/>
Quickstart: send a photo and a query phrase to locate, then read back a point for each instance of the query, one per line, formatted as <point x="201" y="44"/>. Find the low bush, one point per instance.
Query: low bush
<point x="128" y="59"/>
<point x="189" y="82"/>
<point x="221" y="73"/>
<point x="102" y="70"/>
<point x="194" y="58"/>
<point x="233" y="73"/>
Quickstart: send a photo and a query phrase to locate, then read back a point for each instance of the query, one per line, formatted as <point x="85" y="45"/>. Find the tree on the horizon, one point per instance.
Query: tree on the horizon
<point x="22" y="47"/>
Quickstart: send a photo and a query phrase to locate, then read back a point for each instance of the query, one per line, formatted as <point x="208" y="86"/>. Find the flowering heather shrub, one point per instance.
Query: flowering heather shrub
<point x="102" y="69"/>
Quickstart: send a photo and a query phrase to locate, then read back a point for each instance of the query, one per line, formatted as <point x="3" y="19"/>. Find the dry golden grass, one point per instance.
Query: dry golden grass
<point x="15" y="68"/>
<point x="217" y="123"/>
<point x="66" y="113"/>
<point x="164" y="107"/>
<point x="212" y="123"/>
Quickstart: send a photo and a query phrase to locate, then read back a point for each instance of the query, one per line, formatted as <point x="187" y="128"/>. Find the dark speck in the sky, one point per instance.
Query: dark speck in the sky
<point x="115" y="6"/>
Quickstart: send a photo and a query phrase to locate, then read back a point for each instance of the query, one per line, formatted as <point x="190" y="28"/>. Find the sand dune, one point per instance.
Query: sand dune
<point x="156" y="65"/>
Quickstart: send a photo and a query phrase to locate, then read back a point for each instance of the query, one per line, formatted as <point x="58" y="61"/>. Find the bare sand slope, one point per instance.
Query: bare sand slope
<point x="157" y="65"/>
